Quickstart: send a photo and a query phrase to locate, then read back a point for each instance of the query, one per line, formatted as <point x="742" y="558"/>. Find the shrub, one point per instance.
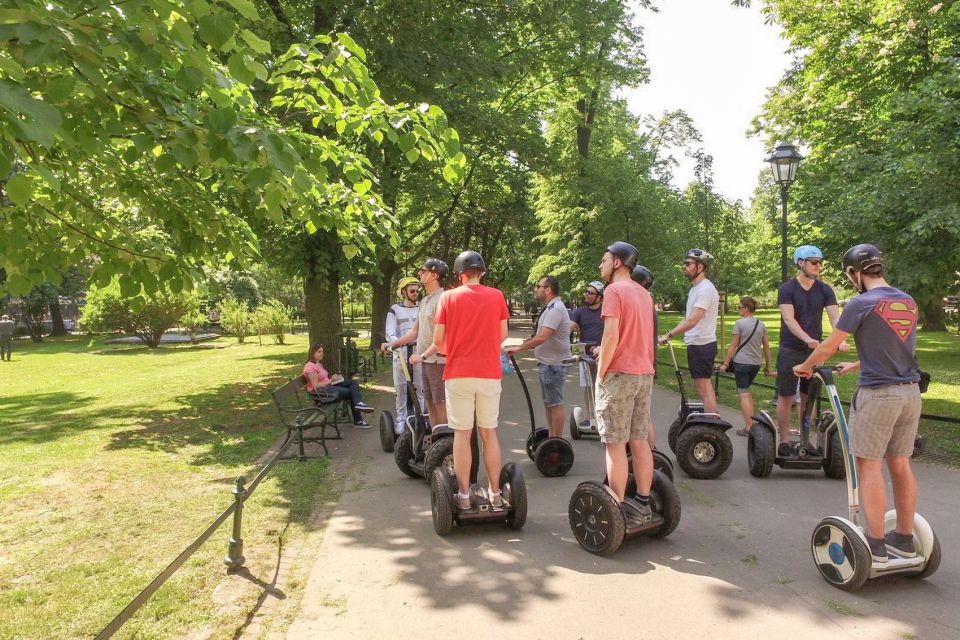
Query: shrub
<point x="273" y="317"/>
<point x="193" y="321"/>
<point x="148" y="318"/>
<point x="236" y="318"/>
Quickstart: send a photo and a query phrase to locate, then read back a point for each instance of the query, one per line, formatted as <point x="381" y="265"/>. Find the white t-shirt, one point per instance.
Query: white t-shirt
<point x="703" y="296"/>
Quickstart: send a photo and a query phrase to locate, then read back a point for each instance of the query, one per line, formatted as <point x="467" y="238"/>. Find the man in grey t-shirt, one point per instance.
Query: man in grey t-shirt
<point x="6" y="337"/>
<point x="551" y="345"/>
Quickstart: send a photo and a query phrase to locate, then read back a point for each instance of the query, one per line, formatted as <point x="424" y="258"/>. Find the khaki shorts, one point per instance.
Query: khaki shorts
<point x="433" y="382"/>
<point x="884" y="420"/>
<point x="467" y="397"/>
<point x="623" y="407"/>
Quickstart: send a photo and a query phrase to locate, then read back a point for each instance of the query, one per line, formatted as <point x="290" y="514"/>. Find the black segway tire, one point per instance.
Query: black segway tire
<point x="666" y="502"/>
<point x="841" y="555"/>
<point x="440" y="505"/>
<point x="663" y="464"/>
<point x="673" y="433"/>
<point x="595" y="518"/>
<point x="440" y="454"/>
<point x="704" y="451"/>
<point x="554" y="457"/>
<point x="933" y="561"/>
<point x="761" y="451"/>
<point x="574" y="427"/>
<point x="833" y="465"/>
<point x="403" y="452"/>
<point x="387" y="433"/>
<point x="513" y="487"/>
<point x="534" y="440"/>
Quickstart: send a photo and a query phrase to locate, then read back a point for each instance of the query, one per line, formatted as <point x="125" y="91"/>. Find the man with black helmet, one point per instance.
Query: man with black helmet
<point x="625" y="380"/>
<point x="471" y="326"/>
<point x="699" y="327"/>
<point x="886" y="406"/>
<point x="431" y="276"/>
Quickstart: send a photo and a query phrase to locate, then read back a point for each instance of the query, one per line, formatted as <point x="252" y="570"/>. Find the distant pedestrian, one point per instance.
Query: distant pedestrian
<point x="744" y="356"/>
<point x="6" y="337"/>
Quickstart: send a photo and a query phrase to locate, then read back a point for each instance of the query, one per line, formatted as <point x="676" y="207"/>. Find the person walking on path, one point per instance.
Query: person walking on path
<point x="802" y="301"/>
<point x="744" y="357"/>
<point x="471" y="326"/>
<point x="551" y="346"/>
<point x="431" y="276"/>
<point x="625" y="380"/>
<point x="886" y="405"/>
<point x="699" y="326"/>
<point x="400" y="319"/>
<point x="6" y="337"/>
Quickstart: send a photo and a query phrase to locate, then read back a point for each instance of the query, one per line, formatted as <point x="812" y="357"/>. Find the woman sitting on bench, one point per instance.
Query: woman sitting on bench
<point x="325" y="389"/>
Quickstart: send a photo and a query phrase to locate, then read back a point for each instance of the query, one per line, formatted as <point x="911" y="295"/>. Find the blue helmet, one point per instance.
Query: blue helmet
<point x="806" y="251"/>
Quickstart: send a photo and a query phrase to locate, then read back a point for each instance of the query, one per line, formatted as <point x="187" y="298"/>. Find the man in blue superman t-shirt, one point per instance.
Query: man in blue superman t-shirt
<point x="885" y="409"/>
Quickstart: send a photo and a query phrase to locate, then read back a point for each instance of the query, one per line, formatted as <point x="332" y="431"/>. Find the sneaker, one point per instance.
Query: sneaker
<point x="900" y="545"/>
<point x="784" y="450"/>
<point x="361" y="424"/>
<point x="363" y="408"/>
<point x="462" y="501"/>
<point x="496" y="500"/>
<point x="878" y="549"/>
<point x="636" y="514"/>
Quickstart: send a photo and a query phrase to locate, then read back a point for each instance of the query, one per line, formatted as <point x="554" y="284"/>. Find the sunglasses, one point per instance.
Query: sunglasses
<point x="588" y="292"/>
<point x="813" y="261"/>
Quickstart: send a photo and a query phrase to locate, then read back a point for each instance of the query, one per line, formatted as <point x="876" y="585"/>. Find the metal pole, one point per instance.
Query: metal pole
<point x="783" y="232"/>
<point x="235" y="559"/>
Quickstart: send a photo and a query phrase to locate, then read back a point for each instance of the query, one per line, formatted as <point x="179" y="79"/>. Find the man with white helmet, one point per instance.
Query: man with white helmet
<point x="400" y="319"/>
<point x="586" y="318"/>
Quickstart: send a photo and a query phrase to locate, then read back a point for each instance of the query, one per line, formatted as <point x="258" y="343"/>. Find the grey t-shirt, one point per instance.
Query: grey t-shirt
<point x="751" y="351"/>
<point x="6" y="327"/>
<point x="883" y="322"/>
<point x="426" y="316"/>
<point x="557" y="347"/>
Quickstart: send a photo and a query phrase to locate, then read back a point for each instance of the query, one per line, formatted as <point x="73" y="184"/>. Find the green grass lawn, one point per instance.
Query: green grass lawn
<point x="938" y="353"/>
<point x="114" y="458"/>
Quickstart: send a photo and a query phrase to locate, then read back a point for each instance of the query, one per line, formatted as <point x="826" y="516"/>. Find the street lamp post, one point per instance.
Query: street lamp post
<point x="784" y="162"/>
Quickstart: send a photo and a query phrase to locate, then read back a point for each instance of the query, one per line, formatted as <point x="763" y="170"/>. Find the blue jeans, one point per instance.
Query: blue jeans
<point x="343" y="390"/>
<point x="552" y="377"/>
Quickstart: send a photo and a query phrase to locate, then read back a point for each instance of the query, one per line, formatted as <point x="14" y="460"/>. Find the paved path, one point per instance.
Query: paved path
<point x="738" y="566"/>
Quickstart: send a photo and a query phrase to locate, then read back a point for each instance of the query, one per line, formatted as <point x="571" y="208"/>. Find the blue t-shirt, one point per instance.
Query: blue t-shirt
<point x="808" y="309"/>
<point x="883" y="322"/>
<point x="590" y="323"/>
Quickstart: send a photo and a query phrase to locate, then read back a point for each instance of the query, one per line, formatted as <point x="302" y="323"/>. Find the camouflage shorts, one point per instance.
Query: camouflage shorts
<point x="623" y="407"/>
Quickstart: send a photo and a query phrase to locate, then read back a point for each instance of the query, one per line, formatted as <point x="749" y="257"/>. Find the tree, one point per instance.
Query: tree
<point x="236" y="318"/>
<point x="34" y="308"/>
<point x="107" y="309"/>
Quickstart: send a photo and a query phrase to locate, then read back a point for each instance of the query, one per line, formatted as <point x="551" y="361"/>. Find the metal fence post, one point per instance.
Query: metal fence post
<point x="235" y="559"/>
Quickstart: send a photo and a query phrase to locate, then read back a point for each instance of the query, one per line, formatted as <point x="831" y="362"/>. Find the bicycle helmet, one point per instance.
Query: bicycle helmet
<point x="626" y="252"/>
<point x="863" y="257"/>
<point x="642" y="276"/>
<point x="599" y="286"/>
<point x="699" y="255"/>
<point x="437" y="266"/>
<point x="404" y="283"/>
<point x="806" y="251"/>
<point x="468" y="260"/>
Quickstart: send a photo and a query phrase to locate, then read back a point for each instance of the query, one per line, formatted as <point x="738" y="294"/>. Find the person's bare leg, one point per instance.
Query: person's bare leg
<point x="642" y="466"/>
<point x="704" y="387"/>
<point x="462" y="458"/>
<point x="784" y="408"/>
<point x="904" y="492"/>
<point x="438" y="413"/>
<point x="873" y="492"/>
<point x="617" y="468"/>
<point x="746" y="408"/>
<point x="491" y="457"/>
<point x="652" y="435"/>
<point x="555" y="420"/>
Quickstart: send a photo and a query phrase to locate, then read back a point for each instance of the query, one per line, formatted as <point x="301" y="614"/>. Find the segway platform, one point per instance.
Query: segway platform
<point x="443" y="487"/>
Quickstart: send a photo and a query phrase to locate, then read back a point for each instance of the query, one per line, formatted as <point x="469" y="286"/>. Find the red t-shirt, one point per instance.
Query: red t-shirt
<point x="472" y="314"/>
<point x="632" y="304"/>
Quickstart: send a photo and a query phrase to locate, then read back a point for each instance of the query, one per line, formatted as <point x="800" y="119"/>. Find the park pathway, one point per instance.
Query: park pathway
<point x="738" y="566"/>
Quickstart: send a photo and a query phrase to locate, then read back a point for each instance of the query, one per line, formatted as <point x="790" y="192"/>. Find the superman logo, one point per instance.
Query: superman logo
<point x="900" y="315"/>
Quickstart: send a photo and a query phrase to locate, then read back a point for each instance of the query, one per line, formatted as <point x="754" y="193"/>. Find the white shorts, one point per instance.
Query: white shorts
<point x="469" y="396"/>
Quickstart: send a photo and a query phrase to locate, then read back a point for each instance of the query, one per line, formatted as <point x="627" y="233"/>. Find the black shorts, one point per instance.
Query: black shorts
<point x="745" y="375"/>
<point x="787" y="359"/>
<point x="700" y="359"/>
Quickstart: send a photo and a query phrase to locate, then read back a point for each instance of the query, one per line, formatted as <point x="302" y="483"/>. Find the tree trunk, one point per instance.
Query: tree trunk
<point x="56" y="319"/>
<point x="322" y="302"/>
<point x="382" y="298"/>
<point x="932" y="315"/>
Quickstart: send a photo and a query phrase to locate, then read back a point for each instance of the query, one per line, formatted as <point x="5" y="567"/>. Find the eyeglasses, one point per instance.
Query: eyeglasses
<point x="541" y="286"/>
<point x="688" y="263"/>
<point x="588" y="292"/>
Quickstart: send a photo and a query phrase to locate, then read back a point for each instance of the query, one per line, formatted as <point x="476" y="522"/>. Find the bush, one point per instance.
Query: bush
<point x="273" y="317"/>
<point x="148" y="318"/>
<point x="236" y="318"/>
<point x="193" y="321"/>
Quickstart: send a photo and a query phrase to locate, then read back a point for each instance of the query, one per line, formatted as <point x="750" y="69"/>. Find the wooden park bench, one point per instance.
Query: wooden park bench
<point x="299" y="411"/>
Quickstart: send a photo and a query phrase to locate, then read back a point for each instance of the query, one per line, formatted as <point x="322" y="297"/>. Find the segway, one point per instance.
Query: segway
<point x="553" y="456"/>
<point x="443" y="487"/>
<point x="826" y="454"/>
<point x="698" y="439"/>
<point x="599" y="525"/>
<point x="388" y="432"/>
<point x="839" y="545"/>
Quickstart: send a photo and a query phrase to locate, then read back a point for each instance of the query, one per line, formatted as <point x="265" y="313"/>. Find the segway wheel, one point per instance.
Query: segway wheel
<point x="833" y="465"/>
<point x="933" y="560"/>
<point x="665" y="501"/>
<point x="440" y="503"/>
<point x="440" y="454"/>
<point x="704" y="451"/>
<point x="514" y="489"/>
<point x="595" y="518"/>
<point x="554" y="457"/>
<point x="576" y="417"/>
<point x="673" y="434"/>
<point x="663" y="464"/>
<point x="841" y="555"/>
<point x="402" y="454"/>
<point x="761" y="450"/>
<point x="534" y="440"/>
<point x="387" y="431"/>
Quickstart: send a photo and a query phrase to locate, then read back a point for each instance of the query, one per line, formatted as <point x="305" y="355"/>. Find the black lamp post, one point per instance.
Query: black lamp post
<point x="784" y="162"/>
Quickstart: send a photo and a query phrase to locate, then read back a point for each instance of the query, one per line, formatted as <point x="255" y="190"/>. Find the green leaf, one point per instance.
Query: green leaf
<point x="412" y="155"/>
<point x="190" y="79"/>
<point x="350" y="251"/>
<point x="12" y="69"/>
<point x="20" y="189"/>
<point x="406" y="142"/>
<point x="238" y="68"/>
<point x="222" y="120"/>
<point x="217" y="29"/>
<point x="254" y="42"/>
<point x="59" y="89"/>
<point x="245" y="8"/>
<point x="128" y="286"/>
<point x="352" y="46"/>
<point x="48" y="176"/>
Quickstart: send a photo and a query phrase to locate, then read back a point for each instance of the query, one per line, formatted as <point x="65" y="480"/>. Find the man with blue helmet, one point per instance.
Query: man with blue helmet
<point x="802" y="301"/>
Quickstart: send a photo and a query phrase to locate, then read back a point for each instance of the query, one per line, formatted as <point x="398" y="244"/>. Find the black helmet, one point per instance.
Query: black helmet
<point x="626" y="252"/>
<point x="437" y="266"/>
<point x="701" y="256"/>
<point x="468" y="260"/>
<point x="863" y="257"/>
<point x="642" y="276"/>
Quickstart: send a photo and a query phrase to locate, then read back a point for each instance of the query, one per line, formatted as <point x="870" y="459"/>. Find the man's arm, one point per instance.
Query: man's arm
<point x="530" y="343"/>
<point x="611" y="338"/>
<point x="406" y="338"/>
<point x="504" y="330"/>
<point x="833" y="313"/>
<point x="685" y="325"/>
<point x="766" y="352"/>
<point x="790" y="320"/>
<point x="390" y="327"/>
<point x="438" y="334"/>
<point x="821" y="354"/>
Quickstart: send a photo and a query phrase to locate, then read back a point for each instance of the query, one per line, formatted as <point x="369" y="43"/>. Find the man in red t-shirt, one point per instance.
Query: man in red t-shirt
<point x="625" y="380"/>
<point x="471" y="326"/>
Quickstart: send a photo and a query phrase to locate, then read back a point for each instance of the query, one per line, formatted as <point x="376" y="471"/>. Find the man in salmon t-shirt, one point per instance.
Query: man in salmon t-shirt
<point x="471" y="325"/>
<point x="625" y="380"/>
